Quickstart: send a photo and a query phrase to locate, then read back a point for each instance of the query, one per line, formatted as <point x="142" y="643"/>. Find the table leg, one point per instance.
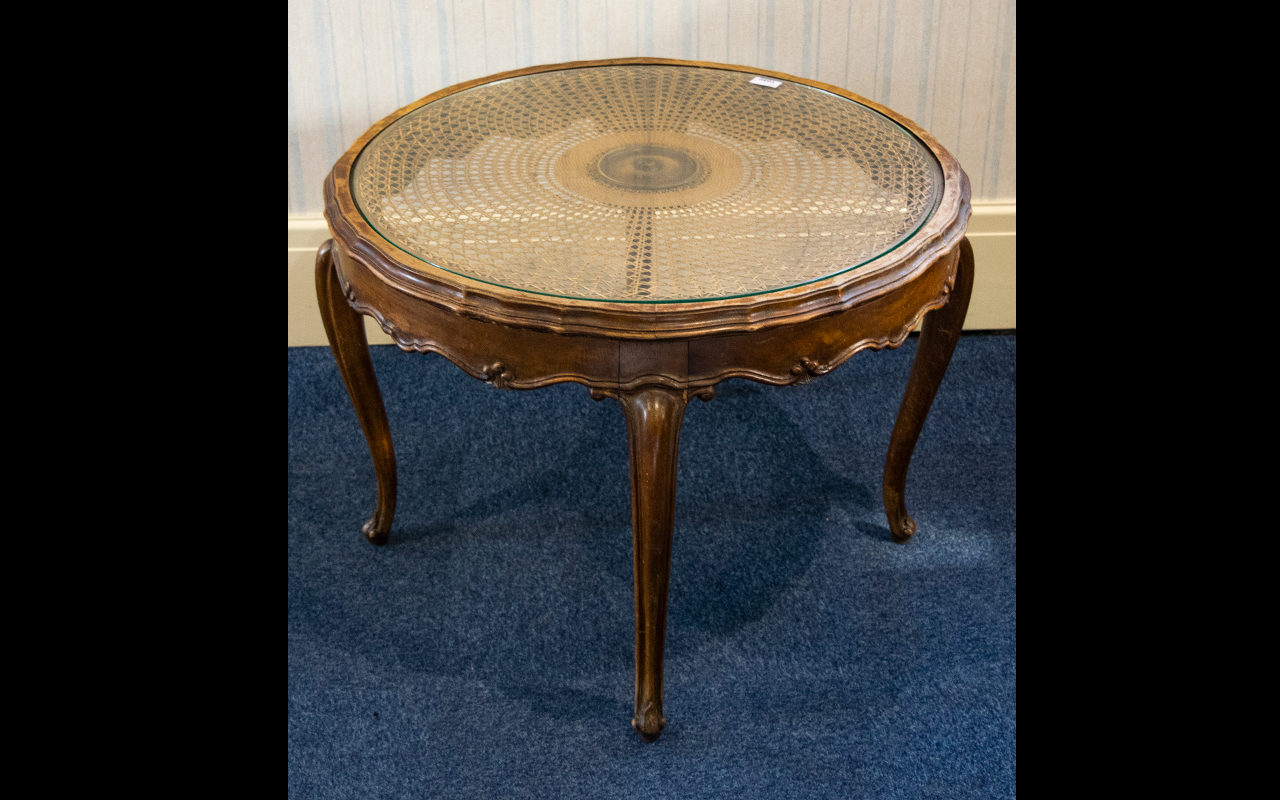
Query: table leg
<point x="345" y="329"/>
<point x="654" y="416"/>
<point x="938" y="338"/>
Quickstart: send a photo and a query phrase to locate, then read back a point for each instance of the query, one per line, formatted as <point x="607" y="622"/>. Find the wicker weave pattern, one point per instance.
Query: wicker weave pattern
<point x="645" y="184"/>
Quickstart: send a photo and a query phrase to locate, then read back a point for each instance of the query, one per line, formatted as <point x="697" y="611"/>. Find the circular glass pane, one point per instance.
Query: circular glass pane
<point x="645" y="184"/>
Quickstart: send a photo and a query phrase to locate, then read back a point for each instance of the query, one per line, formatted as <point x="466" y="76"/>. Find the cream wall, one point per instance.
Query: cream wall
<point x="948" y="65"/>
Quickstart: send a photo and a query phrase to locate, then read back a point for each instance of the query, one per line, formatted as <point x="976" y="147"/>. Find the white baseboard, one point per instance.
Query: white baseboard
<point x="992" y="230"/>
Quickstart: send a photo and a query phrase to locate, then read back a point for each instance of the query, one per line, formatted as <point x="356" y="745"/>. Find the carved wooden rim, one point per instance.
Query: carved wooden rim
<point x="938" y="237"/>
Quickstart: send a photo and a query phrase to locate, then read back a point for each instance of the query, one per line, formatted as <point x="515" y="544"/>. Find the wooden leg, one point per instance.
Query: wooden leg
<point x="654" y="416"/>
<point x="938" y="338"/>
<point x="345" y="328"/>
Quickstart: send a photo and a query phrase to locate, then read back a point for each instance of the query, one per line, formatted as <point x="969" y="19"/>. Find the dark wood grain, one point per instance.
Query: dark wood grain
<point x="345" y="329"/>
<point x="938" y="339"/>
<point x="654" y="415"/>
<point x="651" y="357"/>
<point x="533" y="358"/>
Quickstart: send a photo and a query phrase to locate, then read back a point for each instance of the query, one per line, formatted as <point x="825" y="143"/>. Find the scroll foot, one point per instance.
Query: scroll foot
<point x="376" y="532"/>
<point x="649" y="723"/>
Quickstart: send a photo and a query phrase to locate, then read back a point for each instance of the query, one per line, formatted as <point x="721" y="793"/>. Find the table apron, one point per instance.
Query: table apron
<point x="522" y="358"/>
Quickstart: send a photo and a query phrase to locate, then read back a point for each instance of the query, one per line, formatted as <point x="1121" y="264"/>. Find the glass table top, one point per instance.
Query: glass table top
<point x="645" y="183"/>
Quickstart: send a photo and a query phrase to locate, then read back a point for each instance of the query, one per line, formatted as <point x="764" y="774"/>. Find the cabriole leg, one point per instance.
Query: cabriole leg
<point x="345" y="329"/>
<point x="938" y="338"/>
<point x="654" y="416"/>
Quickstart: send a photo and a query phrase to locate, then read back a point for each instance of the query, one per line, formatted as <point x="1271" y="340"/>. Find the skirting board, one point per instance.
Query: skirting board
<point x="992" y="230"/>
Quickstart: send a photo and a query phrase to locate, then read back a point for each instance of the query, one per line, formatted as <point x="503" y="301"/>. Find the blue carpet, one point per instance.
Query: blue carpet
<point x="487" y="650"/>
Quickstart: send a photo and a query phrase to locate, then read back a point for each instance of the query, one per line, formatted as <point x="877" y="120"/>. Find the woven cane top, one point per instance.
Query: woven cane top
<point x="645" y="183"/>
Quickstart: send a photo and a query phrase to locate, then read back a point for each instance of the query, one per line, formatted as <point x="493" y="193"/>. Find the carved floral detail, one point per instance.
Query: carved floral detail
<point x="499" y="375"/>
<point x="808" y="369"/>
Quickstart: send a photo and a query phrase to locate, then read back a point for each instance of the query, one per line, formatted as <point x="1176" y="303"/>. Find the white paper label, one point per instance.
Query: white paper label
<point x="762" y="81"/>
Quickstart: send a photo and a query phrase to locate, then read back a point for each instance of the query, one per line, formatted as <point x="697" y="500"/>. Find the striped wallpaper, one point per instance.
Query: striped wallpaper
<point x="950" y="65"/>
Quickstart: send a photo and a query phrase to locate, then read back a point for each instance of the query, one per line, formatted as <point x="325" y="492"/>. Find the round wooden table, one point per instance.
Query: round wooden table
<point x="647" y="228"/>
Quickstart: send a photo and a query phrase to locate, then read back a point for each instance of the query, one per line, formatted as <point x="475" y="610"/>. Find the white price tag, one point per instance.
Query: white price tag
<point x="762" y="81"/>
